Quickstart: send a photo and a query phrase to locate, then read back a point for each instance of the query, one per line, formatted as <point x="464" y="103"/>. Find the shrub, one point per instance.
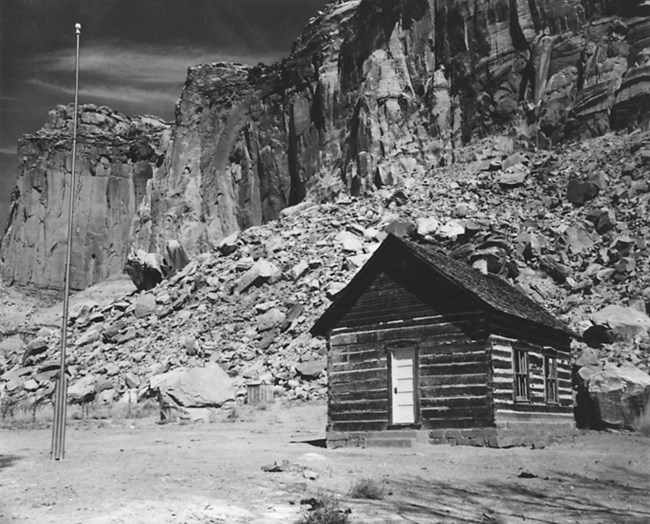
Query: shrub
<point x="367" y="489"/>
<point x="642" y="423"/>
<point x="326" y="510"/>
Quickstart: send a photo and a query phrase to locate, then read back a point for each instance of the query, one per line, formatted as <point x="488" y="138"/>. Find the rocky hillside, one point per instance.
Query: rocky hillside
<point x="116" y="156"/>
<point x="373" y="93"/>
<point x="569" y="227"/>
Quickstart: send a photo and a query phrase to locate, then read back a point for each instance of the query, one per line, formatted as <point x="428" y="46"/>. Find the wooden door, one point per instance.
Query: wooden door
<point x="403" y="385"/>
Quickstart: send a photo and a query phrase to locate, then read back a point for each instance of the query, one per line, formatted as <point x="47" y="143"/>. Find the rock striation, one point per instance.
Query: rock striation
<point x="116" y="156"/>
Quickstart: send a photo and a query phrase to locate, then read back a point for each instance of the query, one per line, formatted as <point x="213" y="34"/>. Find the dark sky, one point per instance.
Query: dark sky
<point x="134" y="55"/>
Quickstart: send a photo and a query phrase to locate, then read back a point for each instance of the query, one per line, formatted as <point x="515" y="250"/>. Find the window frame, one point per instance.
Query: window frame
<point x="521" y="378"/>
<point x="551" y="380"/>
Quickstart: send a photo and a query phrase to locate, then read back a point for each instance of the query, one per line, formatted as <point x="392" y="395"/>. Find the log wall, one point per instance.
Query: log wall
<point x="530" y="421"/>
<point x="452" y="374"/>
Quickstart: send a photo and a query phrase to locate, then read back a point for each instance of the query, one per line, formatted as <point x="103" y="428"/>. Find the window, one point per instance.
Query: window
<point x="521" y="374"/>
<point x="550" y="379"/>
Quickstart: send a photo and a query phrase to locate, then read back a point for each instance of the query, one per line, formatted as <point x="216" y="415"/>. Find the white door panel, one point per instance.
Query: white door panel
<point x="403" y="385"/>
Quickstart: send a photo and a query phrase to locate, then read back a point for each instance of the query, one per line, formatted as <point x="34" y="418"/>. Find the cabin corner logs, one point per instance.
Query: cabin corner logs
<point x="412" y="353"/>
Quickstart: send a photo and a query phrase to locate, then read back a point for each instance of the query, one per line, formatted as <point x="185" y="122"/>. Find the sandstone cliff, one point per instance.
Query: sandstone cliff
<point x="116" y="157"/>
<point x="373" y="92"/>
<point x="376" y="90"/>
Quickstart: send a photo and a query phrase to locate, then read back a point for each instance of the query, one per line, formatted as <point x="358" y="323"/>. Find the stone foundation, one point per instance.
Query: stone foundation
<point x="509" y="435"/>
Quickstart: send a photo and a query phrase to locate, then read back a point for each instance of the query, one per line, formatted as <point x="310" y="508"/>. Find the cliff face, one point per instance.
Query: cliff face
<point x="356" y="104"/>
<point x="375" y="90"/>
<point x="116" y="157"/>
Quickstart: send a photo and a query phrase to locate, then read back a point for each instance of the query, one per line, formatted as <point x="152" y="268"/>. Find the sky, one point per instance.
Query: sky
<point x="134" y="55"/>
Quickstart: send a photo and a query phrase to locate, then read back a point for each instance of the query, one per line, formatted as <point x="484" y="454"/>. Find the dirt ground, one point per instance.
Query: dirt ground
<point x="138" y="471"/>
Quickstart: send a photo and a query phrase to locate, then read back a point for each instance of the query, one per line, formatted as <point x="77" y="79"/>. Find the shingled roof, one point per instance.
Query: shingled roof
<point x="494" y="292"/>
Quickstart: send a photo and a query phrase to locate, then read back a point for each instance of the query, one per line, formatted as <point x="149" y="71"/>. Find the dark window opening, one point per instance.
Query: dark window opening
<point x="550" y="379"/>
<point x="521" y="375"/>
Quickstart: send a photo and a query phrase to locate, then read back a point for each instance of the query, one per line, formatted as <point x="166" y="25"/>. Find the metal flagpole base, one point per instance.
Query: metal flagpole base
<point x="60" y="412"/>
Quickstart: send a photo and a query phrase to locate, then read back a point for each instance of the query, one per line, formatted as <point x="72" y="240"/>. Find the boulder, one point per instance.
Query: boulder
<point x="311" y="369"/>
<point x="198" y="387"/>
<point x="401" y="227"/>
<point x="619" y="395"/>
<point x="625" y="322"/>
<point x="604" y="220"/>
<point x="262" y="271"/>
<point x="106" y="397"/>
<point x="229" y="244"/>
<point x="579" y="192"/>
<point x="131" y="380"/>
<point x="595" y="336"/>
<point x="144" y="269"/>
<point x="513" y="176"/>
<point x="427" y="226"/>
<point x="577" y="239"/>
<point x="350" y="242"/>
<point x="11" y="345"/>
<point x="452" y="229"/>
<point x="83" y="390"/>
<point x="299" y="269"/>
<point x="145" y="305"/>
<point x="30" y="385"/>
<point x="555" y="269"/>
<point x="269" y="320"/>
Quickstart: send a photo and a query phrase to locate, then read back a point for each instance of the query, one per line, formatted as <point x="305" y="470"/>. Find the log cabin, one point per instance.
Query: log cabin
<point x="422" y="347"/>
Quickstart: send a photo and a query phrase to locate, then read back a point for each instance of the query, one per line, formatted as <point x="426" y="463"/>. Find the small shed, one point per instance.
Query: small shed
<point x="421" y="346"/>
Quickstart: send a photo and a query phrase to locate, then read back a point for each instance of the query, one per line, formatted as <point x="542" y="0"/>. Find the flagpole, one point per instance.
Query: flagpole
<point x="60" y="402"/>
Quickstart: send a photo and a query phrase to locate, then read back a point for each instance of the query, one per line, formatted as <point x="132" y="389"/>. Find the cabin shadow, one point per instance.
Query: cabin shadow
<point x="317" y="443"/>
<point x="558" y="497"/>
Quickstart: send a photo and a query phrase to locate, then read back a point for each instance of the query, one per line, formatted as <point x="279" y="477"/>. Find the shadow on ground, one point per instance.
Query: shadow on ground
<point x="556" y="498"/>
<point x="317" y="443"/>
<point x="6" y="461"/>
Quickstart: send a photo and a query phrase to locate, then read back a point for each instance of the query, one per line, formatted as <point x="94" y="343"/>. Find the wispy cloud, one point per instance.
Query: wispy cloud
<point x="162" y="64"/>
<point x="148" y="76"/>
<point x="8" y="150"/>
<point x="119" y="93"/>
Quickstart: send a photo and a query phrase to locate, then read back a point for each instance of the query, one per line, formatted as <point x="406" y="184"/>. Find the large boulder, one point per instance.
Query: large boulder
<point x="618" y="395"/>
<point x="145" y="269"/>
<point x="83" y="390"/>
<point x="625" y="322"/>
<point x="182" y="390"/>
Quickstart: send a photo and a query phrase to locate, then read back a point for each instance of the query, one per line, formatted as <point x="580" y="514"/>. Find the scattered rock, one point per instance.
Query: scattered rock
<point x="145" y="305"/>
<point x="269" y="320"/>
<point x="261" y="272"/>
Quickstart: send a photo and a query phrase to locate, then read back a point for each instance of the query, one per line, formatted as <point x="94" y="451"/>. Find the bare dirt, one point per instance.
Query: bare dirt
<point x="137" y="471"/>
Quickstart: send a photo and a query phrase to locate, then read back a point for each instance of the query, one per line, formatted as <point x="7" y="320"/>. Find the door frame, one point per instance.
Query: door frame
<point x="389" y="348"/>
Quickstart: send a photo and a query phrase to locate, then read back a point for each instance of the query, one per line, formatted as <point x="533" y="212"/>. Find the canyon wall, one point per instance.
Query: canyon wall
<point x="376" y="89"/>
<point x="372" y="92"/>
<point x="116" y="155"/>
